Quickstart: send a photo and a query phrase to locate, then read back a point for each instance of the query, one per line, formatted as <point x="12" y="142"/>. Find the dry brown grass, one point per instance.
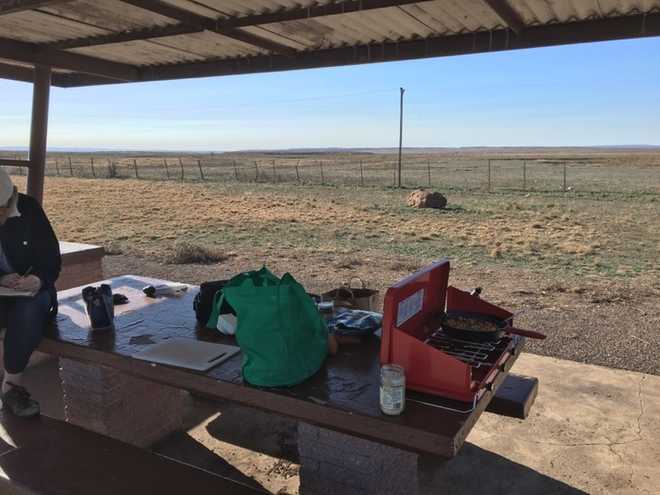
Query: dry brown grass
<point x="347" y="226"/>
<point x="190" y="253"/>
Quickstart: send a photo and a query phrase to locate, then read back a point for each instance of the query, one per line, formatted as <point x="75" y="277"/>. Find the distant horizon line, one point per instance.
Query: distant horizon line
<point x="64" y="149"/>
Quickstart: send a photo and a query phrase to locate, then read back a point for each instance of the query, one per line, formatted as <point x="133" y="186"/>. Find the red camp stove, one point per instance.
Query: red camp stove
<point x="436" y="363"/>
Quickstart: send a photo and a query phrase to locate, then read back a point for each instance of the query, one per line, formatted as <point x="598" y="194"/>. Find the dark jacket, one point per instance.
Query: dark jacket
<point x="29" y="242"/>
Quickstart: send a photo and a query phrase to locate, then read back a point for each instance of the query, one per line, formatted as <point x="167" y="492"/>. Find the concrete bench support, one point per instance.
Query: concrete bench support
<point x="332" y="462"/>
<point x="112" y="403"/>
<point x="81" y="264"/>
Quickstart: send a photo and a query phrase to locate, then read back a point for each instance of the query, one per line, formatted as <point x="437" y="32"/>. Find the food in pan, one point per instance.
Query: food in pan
<point x="470" y="324"/>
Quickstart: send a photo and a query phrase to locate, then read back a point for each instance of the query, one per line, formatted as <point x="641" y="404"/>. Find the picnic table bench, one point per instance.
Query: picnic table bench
<point x="46" y="456"/>
<point x="344" y="440"/>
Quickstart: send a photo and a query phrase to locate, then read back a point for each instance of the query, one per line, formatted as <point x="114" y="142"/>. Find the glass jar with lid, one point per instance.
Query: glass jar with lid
<point x="392" y="389"/>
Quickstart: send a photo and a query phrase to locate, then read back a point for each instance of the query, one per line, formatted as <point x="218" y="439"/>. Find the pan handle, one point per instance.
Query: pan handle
<point x="525" y="333"/>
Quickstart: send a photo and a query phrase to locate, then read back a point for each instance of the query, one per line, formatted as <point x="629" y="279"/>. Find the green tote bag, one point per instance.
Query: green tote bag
<point x="282" y="335"/>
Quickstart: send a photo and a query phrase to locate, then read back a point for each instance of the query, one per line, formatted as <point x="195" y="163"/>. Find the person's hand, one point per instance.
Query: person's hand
<point x="30" y="283"/>
<point x="10" y="280"/>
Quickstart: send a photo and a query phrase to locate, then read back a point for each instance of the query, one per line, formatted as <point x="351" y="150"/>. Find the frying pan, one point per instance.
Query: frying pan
<point x="497" y="327"/>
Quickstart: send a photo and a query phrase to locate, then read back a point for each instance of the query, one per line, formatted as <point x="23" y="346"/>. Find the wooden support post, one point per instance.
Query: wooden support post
<point x="39" y="132"/>
<point x="524" y="175"/>
<point x="70" y="167"/>
<point x="167" y="169"/>
<point x="57" y="167"/>
<point x="235" y="171"/>
<point x="91" y="161"/>
<point x="400" y="133"/>
<point x="275" y="178"/>
<point x="361" y="175"/>
<point x="428" y="165"/>
<point x="564" y="186"/>
<point x="201" y="171"/>
<point x="297" y="171"/>
<point x="181" y="165"/>
<point x="135" y="166"/>
<point x="322" y="177"/>
<point x="111" y="173"/>
<point x="256" y="171"/>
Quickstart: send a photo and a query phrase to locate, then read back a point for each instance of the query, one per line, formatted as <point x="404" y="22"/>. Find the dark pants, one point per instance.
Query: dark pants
<point x="25" y="319"/>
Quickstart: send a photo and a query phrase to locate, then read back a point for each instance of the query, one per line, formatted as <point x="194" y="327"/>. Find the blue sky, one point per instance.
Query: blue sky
<point x="590" y="94"/>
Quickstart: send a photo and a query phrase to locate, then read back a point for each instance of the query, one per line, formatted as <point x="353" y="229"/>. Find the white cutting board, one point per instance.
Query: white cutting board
<point x="188" y="353"/>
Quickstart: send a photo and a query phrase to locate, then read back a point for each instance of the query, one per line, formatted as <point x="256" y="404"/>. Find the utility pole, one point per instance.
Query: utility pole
<point x="400" y="132"/>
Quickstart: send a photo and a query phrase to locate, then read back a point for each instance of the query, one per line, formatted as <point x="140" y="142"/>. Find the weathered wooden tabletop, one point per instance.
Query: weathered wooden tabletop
<point x="342" y="396"/>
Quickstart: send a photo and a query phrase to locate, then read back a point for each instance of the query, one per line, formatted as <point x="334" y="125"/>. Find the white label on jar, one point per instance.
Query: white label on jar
<point x="391" y="399"/>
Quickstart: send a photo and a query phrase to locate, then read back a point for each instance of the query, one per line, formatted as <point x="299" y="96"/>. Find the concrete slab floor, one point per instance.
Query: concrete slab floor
<point x="592" y="430"/>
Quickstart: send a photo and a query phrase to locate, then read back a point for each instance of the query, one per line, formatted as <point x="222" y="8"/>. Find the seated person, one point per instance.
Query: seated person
<point x="30" y="261"/>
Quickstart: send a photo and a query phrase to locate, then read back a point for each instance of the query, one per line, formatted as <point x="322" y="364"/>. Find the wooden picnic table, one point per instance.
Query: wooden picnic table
<point x="342" y="397"/>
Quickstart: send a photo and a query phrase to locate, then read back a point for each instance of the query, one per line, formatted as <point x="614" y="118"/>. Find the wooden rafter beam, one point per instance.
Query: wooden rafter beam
<point x="13" y="6"/>
<point x="34" y="54"/>
<point x="613" y="28"/>
<point x="16" y="73"/>
<point x="508" y="14"/>
<point x="206" y="23"/>
<point x="6" y="162"/>
<point x="124" y="36"/>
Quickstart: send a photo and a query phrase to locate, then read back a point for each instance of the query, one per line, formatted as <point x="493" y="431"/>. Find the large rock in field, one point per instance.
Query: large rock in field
<point x="426" y="199"/>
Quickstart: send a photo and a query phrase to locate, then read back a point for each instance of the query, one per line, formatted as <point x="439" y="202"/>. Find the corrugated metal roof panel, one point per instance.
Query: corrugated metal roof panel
<point x="211" y="45"/>
<point x="431" y="19"/>
<point x="112" y="15"/>
<point x="139" y="53"/>
<point x="550" y="11"/>
<point x="36" y="27"/>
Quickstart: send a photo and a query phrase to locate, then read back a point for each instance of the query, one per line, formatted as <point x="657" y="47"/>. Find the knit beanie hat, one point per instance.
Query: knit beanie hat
<point x="6" y="187"/>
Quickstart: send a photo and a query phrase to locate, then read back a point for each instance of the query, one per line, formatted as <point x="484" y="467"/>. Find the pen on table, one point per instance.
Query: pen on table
<point x="27" y="272"/>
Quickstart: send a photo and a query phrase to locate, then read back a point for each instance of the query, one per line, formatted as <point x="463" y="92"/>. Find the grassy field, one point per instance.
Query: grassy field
<point x="584" y="266"/>
<point x="612" y="236"/>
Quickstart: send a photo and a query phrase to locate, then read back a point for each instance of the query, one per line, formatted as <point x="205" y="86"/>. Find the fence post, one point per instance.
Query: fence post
<point x="524" y="175"/>
<point x="181" y="165"/>
<point x="322" y="177"/>
<point x="490" y="186"/>
<point x="135" y="165"/>
<point x="91" y="160"/>
<point x="110" y="174"/>
<point x="57" y="166"/>
<point x="361" y="175"/>
<point x="564" y="176"/>
<point x="201" y="171"/>
<point x="235" y="171"/>
<point x="256" y="171"/>
<point x="428" y="164"/>
<point x="167" y="168"/>
<point x="70" y="167"/>
<point x="297" y="171"/>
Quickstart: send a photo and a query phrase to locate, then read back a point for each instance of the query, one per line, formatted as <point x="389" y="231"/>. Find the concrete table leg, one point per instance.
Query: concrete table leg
<point x="115" y="404"/>
<point x="332" y="463"/>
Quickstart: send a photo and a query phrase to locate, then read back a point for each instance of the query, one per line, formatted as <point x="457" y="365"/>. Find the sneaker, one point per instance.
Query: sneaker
<point x="19" y="403"/>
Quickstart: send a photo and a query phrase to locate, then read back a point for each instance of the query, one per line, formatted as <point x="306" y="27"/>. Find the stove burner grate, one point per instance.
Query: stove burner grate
<point x="476" y="354"/>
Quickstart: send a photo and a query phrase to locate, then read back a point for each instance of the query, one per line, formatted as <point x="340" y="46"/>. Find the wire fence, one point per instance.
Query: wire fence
<point x="461" y="173"/>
